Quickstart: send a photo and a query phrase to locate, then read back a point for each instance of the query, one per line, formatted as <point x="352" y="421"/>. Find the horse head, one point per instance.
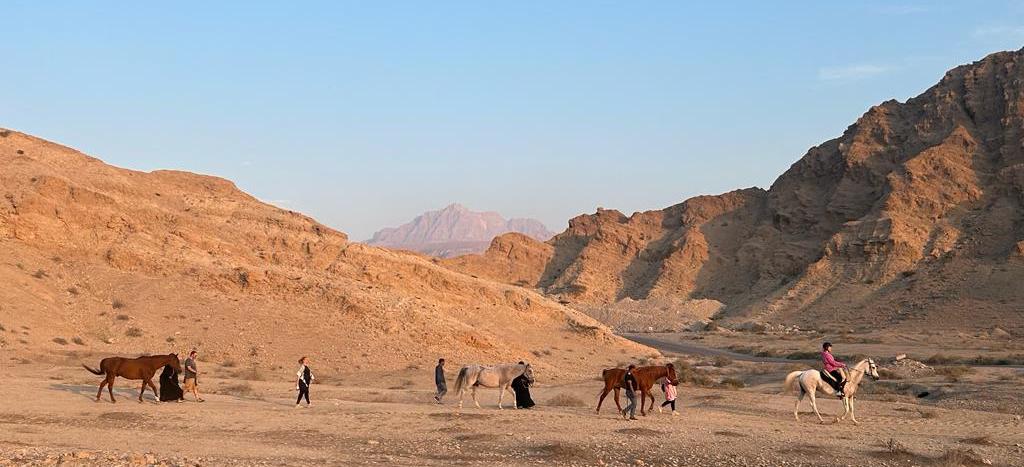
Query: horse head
<point x="672" y="378"/>
<point x="175" y="362"/>
<point x="528" y="372"/>
<point x="873" y="370"/>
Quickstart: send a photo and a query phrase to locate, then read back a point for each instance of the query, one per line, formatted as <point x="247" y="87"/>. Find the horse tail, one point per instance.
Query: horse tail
<point x="791" y="380"/>
<point x="460" y="382"/>
<point x="95" y="372"/>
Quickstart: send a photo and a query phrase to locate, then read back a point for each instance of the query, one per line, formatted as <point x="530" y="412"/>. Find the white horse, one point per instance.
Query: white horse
<point x="498" y="376"/>
<point x="810" y="381"/>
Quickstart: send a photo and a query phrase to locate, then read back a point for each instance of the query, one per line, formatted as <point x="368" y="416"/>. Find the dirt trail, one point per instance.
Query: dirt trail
<point x="48" y="415"/>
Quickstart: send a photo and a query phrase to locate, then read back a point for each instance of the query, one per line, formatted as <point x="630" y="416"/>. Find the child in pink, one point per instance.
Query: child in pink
<point x="670" y="396"/>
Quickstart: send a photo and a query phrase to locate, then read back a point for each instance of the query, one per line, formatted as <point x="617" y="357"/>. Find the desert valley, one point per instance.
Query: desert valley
<point x="902" y="241"/>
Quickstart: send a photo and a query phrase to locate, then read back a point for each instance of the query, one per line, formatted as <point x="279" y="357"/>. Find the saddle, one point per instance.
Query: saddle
<point x="831" y="380"/>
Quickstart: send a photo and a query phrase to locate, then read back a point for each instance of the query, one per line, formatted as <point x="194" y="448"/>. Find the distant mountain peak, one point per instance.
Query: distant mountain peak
<point x="455" y="230"/>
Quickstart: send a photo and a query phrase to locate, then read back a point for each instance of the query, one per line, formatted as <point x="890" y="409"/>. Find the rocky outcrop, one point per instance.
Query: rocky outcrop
<point x="913" y="215"/>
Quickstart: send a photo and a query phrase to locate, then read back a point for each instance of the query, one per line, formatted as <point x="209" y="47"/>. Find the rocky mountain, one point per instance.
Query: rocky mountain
<point x="913" y="217"/>
<point x="454" y="231"/>
<point x="104" y="260"/>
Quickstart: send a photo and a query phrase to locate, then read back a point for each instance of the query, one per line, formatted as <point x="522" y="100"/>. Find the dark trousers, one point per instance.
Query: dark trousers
<point x="303" y="392"/>
<point x="631" y="405"/>
<point x="838" y="383"/>
<point x="672" y="403"/>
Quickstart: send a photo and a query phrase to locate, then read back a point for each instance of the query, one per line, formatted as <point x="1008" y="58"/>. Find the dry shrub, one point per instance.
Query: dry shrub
<point x="60" y="340"/>
<point x="229" y="363"/>
<point x="721" y="361"/>
<point x="732" y="383"/>
<point x="73" y="290"/>
<point x="39" y="274"/>
<point x="134" y="332"/>
<point x="566" y="400"/>
<point x="984" y="440"/>
<point x="78" y="340"/>
<point x="237" y="389"/>
<point x="117" y="304"/>
<point x="122" y="317"/>
<point x="886" y="373"/>
<point x="687" y="373"/>
<point x="957" y="457"/>
<point x="894" y="447"/>
<point x="940" y="359"/>
<point x="954" y="374"/>
<point x="928" y="413"/>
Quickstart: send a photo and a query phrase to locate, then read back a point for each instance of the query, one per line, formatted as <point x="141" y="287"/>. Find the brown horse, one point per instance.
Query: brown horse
<point x="133" y="368"/>
<point x="645" y="378"/>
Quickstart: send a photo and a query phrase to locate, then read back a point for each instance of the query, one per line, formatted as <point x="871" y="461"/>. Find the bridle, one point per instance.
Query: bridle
<point x="871" y="366"/>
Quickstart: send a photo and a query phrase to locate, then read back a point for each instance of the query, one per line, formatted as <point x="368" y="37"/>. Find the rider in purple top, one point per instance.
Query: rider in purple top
<point x="832" y="366"/>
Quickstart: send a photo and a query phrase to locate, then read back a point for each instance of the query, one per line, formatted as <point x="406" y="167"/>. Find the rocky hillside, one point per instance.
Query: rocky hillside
<point x="914" y="216"/>
<point x="104" y="260"/>
<point x="454" y="231"/>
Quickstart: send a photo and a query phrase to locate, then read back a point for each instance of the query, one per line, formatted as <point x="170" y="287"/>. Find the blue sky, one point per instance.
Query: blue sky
<point x="364" y="114"/>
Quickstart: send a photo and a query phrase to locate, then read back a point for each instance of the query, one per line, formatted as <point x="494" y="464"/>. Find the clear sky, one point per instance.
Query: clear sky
<point x="364" y="114"/>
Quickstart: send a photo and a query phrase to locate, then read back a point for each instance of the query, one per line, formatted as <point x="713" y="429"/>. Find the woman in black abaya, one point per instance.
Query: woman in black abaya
<point x="521" y="386"/>
<point x="169" y="389"/>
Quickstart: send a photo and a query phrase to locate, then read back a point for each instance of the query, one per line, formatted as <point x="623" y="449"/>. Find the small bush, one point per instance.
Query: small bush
<point x="170" y="339"/>
<point x="117" y="304"/>
<point x="78" y="340"/>
<point x="929" y="414"/>
<point x="73" y="290"/>
<point x="229" y="363"/>
<point x="566" y="400"/>
<point x="733" y="383"/>
<point x="893" y="446"/>
<point x="133" y="332"/>
<point x="238" y="389"/>
<point x="980" y="440"/>
<point x="39" y="274"/>
<point x="122" y="317"/>
<point x="954" y="374"/>
<point x="960" y="456"/>
<point x="60" y="340"/>
<point x="721" y="361"/>
<point x="687" y="373"/>
<point x="940" y="359"/>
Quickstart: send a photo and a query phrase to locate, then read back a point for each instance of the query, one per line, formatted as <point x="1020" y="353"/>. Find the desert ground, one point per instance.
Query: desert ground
<point x="732" y="413"/>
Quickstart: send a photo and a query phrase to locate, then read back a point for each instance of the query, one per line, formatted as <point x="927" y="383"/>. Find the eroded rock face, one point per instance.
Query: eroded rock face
<point x="913" y="214"/>
<point x="132" y="262"/>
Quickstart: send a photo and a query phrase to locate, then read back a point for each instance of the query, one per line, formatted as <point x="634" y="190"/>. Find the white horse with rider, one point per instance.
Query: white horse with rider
<point x="497" y="376"/>
<point x="808" y="382"/>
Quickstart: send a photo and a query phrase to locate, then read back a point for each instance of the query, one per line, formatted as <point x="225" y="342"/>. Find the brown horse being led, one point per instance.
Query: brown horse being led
<point x="645" y="378"/>
<point x="133" y="368"/>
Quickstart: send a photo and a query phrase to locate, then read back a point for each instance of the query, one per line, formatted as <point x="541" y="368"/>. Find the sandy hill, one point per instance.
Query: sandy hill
<point x="914" y="216"/>
<point x="102" y="259"/>
<point x="455" y="230"/>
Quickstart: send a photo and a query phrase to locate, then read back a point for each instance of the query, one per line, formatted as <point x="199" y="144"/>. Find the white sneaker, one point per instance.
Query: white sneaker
<point x="659" y="409"/>
<point x="297" y="406"/>
<point x="675" y="413"/>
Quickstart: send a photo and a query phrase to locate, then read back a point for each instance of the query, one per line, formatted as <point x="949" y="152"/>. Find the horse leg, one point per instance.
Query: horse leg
<point x="501" y="395"/>
<point x="618" y="404"/>
<point x="110" y="388"/>
<point x="153" y="387"/>
<point x="846" y="410"/>
<point x="600" y="399"/>
<point x="474" y="398"/>
<point x="462" y="394"/>
<point x="853" y="418"/>
<point x="100" y="392"/>
<point x="515" y="400"/>
<point x="799" y="398"/>
<point x="142" y="390"/>
<point x="643" y="402"/>
<point x="814" y="405"/>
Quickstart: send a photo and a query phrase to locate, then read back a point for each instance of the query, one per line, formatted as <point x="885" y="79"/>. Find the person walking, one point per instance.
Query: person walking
<point x="630" y="385"/>
<point x="192" y="375"/>
<point x="670" y="396"/>
<point x="304" y="378"/>
<point x="521" y="388"/>
<point x="442" y="386"/>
